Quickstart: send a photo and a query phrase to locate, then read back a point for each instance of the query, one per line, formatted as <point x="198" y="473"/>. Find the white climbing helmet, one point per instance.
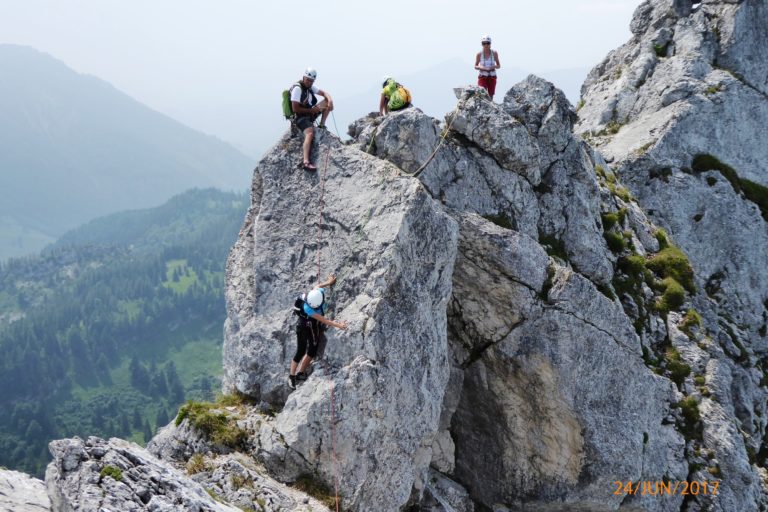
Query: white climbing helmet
<point x="385" y="79"/>
<point x="486" y="39"/>
<point x="315" y="298"/>
<point x="310" y="73"/>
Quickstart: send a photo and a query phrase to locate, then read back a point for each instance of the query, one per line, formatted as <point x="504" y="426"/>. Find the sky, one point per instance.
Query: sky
<point x="220" y="66"/>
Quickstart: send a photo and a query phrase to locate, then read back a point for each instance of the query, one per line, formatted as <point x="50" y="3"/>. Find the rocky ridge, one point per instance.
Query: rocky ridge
<point x="522" y="334"/>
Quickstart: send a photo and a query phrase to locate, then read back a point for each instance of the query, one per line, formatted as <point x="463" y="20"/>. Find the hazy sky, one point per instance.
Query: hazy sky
<point x="219" y="66"/>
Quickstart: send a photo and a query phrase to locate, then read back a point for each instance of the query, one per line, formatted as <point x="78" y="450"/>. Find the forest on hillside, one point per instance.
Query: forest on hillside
<point x="109" y="332"/>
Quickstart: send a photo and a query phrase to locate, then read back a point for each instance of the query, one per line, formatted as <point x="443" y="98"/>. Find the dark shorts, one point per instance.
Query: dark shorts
<point x="310" y="340"/>
<point x="305" y="121"/>
<point x="488" y="83"/>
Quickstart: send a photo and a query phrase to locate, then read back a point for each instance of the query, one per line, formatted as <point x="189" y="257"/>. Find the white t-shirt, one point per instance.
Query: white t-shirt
<point x="296" y="93"/>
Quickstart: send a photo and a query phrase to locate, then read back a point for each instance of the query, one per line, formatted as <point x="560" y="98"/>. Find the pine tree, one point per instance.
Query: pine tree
<point x="147" y="431"/>
<point x="162" y="418"/>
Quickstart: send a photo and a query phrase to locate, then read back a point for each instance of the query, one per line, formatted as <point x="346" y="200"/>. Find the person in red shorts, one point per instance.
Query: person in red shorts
<point x="487" y="62"/>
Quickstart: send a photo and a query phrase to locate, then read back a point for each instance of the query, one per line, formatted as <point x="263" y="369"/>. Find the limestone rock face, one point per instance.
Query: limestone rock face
<point x="95" y="475"/>
<point x="482" y="315"/>
<point x="393" y="248"/>
<point x="680" y="111"/>
<point x="22" y="493"/>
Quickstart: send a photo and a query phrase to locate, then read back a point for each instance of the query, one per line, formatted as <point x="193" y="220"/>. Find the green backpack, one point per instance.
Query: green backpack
<point x="287" y="108"/>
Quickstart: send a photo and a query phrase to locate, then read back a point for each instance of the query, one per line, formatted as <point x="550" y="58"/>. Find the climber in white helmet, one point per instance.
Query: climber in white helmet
<point x="305" y="105"/>
<point x="310" y="330"/>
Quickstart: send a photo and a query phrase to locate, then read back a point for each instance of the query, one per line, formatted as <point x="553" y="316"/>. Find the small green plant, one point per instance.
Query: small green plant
<point x="644" y="148"/>
<point x="691" y="319"/>
<point x="317" y="489"/>
<point x="613" y="127"/>
<point x="661" y="236"/>
<point x="677" y="368"/>
<point x="660" y="50"/>
<point x="713" y="89"/>
<point x="580" y="105"/>
<point x="216" y="426"/>
<point x="240" y="481"/>
<point x="715" y="471"/>
<point x="196" y="464"/>
<point x="554" y="246"/>
<point x="600" y="171"/>
<point x="615" y="241"/>
<point x="690" y="427"/>
<point x="672" y="262"/>
<point x="699" y="380"/>
<point x="672" y="297"/>
<point x="610" y="219"/>
<point x="112" y="472"/>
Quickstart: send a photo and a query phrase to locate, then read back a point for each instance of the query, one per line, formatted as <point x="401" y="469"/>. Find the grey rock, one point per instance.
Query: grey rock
<point x="75" y="481"/>
<point x="701" y="90"/>
<point x="22" y="493"/>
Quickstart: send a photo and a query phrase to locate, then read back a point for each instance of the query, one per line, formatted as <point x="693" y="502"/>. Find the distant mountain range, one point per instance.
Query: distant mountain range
<point x="72" y="148"/>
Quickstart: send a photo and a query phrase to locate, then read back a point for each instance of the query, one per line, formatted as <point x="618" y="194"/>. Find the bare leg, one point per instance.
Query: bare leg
<point x="309" y="133"/>
<point x="305" y="363"/>
<point x="293" y="367"/>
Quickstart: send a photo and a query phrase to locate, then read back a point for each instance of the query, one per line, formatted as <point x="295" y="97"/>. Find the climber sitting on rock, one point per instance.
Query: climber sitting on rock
<point x="306" y="106"/>
<point x="310" y="335"/>
<point x="393" y="96"/>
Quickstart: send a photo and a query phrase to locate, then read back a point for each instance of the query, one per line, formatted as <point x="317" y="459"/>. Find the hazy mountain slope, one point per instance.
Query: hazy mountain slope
<point x="109" y="331"/>
<point x="73" y="147"/>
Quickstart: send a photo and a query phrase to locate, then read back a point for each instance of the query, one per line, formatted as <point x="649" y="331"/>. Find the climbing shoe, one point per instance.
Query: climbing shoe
<point x="301" y="377"/>
<point x="292" y="381"/>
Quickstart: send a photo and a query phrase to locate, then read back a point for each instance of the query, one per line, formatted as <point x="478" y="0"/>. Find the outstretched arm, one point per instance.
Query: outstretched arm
<point x="329" y="281"/>
<point x="327" y="321"/>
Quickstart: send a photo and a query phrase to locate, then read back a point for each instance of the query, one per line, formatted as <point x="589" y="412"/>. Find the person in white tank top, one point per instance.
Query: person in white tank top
<point x="486" y="63"/>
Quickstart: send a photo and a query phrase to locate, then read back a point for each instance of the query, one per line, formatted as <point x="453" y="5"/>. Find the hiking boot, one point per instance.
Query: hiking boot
<point x="301" y="377"/>
<point x="292" y="381"/>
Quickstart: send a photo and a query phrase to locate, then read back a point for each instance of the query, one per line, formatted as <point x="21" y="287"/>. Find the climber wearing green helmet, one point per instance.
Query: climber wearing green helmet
<point x="393" y="96"/>
<point x="305" y="105"/>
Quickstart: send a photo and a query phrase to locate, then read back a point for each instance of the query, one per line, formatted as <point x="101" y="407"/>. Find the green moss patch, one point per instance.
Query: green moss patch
<point x="501" y="220"/>
<point x="678" y="370"/>
<point x="672" y="262"/>
<point x="672" y="297"/>
<point x="615" y="241"/>
<point x="217" y="426"/>
<point x="691" y="319"/>
<point x="112" y="472"/>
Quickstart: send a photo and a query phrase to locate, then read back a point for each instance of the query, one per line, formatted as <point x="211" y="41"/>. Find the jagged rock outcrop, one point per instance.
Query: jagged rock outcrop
<point x="22" y="493"/>
<point x="680" y="111"/>
<point x="529" y="353"/>
<point x="95" y="475"/>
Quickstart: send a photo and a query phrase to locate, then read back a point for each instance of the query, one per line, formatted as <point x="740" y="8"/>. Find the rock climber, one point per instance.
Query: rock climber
<point x="487" y="62"/>
<point x="305" y="105"/>
<point x="393" y="96"/>
<point x="310" y="330"/>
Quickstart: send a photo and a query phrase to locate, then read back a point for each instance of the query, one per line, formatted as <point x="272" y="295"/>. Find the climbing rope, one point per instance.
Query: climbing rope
<point x="440" y="142"/>
<point x="334" y="125"/>
<point x="327" y="369"/>
<point x="322" y="205"/>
